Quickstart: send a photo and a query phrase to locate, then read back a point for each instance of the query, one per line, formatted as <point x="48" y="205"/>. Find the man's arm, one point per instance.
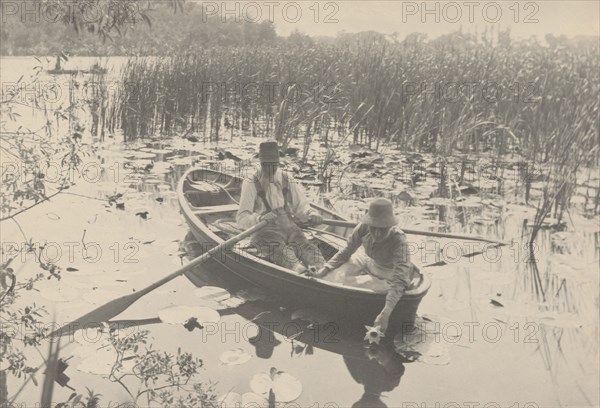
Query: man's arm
<point x="246" y="217"/>
<point x="354" y="242"/>
<point x="299" y="205"/>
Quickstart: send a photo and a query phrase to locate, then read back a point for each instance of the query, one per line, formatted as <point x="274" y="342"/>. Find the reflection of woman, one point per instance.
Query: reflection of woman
<point x="381" y="373"/>
<point x="264" y="342"/>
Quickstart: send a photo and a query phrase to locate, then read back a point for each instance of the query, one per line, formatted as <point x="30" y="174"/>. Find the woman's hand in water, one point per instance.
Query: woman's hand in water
<point x="382" y="321"/>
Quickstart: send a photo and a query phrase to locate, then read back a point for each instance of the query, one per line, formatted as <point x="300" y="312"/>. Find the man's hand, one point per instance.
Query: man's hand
<point x="315" y="219"/>
<point x="382" y="321"/>
<point x="323" y="271"/>
<point x="313" y="273"/>
<point x="269" y="217"/>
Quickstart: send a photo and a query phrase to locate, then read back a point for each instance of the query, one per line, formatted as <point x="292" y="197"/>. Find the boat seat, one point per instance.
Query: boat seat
<point x="229" y="225"/>
<point x="203" y="187"/>
<point x="216" y="209"/>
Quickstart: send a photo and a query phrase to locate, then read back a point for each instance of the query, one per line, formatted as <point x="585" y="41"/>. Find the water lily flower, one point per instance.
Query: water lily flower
<point x="373" y="335"/>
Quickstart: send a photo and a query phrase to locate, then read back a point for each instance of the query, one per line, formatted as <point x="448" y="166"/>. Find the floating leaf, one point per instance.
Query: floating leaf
<point x="232" y="302"/>
<point x="213" y="293"/>
<point x="182" y="315"/>
<point x="192" y="324"/>
<point x="143" y="214"/>
<point x="261" y="384"/>
<point x="235" y="357"/>
<point x="90" y="340"/>
<point x="217" y="298"/>
<point x="101" y="362"/>
<point x="285" y="387"/>
<point x="496" y="303"/>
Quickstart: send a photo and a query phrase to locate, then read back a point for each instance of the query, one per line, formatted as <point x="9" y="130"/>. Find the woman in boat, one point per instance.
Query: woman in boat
<point x="269" y="196"/>
<point x="384" y="259"/>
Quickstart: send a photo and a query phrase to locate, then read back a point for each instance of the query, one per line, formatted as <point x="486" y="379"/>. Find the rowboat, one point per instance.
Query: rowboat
<point x="208" y="200"/>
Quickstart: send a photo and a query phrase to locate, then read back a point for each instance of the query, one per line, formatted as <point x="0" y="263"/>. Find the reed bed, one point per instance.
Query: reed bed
<point x="454" y="95"/>
<point x="448" y="95"/>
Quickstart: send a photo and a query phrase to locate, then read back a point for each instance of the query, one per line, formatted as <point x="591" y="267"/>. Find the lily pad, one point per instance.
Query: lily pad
<point x="217" y="298"/>
<point x="182" y="314"/>
<point x="101" y="363"/>
<point x="212" y="293"/>
<point x="235" y="357"/>
<point x="232" y="302"/>
<point x="90" y="340"/>
<point x="285" y="386"/>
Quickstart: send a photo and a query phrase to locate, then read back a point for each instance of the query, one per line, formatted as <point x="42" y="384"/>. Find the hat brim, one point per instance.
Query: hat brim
<point x="385" y="222"/>
<point x="268" y="158"/>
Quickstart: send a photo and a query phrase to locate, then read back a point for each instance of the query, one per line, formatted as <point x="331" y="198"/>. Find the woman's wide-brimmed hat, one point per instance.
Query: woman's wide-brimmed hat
<point x="268" y="151"/>
<point x="380" y="214"/>
<point x="264" y="343"/>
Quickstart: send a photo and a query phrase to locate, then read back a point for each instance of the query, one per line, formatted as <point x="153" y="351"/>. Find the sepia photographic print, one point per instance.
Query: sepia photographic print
<point x="299" y="204"/>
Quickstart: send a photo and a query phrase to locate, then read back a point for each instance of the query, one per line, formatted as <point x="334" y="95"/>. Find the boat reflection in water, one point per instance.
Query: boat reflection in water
<point x="377" y="367"/>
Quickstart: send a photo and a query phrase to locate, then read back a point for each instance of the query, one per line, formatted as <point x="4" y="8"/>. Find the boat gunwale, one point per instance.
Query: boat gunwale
<point x="281" y="272"/>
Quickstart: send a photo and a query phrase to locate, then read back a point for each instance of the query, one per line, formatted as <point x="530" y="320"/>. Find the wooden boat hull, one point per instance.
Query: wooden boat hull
<point x="362" y="305"/>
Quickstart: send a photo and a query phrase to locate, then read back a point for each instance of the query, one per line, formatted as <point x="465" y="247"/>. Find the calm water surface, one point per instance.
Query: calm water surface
<point x="492" y="340"/>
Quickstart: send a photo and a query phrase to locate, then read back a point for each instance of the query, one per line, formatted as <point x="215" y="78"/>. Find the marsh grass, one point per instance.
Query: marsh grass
<point x="525" y="95"/>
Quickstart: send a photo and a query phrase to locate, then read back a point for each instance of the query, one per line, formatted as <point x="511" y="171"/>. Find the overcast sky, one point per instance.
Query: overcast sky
<point x="526" y="18"/>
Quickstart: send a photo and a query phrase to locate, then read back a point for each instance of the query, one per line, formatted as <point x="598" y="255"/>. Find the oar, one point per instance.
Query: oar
<point x="350" y="224"/>
<point x="117" y="306"/>
<point x="469" y="255"/>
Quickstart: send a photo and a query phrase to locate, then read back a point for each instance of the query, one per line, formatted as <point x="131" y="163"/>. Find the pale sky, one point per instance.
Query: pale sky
<point x="526" y="18"/>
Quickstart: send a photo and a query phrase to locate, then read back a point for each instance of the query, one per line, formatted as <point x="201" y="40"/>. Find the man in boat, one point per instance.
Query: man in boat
<point x="384" y="256"/>
<point x="270" y="196"/>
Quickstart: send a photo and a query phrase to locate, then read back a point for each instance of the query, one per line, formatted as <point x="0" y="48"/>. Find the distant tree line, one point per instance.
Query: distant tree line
<point x="163" y="32"/>
<point x="172" y="27"/>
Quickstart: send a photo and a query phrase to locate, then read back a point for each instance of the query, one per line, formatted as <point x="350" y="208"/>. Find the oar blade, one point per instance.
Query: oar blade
<point x="111" y="309"/>
<point x="101" y="314"/>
